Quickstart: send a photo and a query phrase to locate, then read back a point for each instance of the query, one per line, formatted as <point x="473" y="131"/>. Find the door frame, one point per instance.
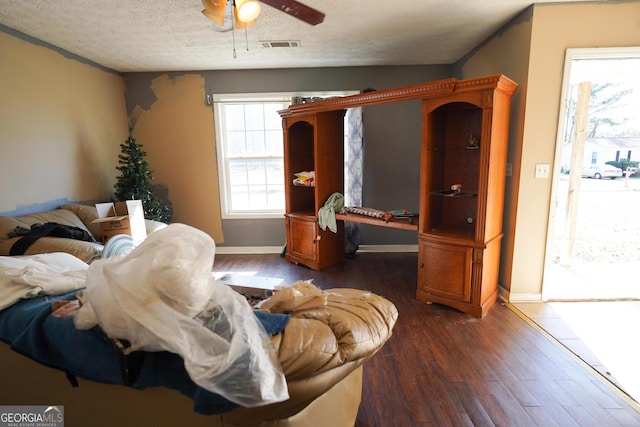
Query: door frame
<point x="571" y="54"/>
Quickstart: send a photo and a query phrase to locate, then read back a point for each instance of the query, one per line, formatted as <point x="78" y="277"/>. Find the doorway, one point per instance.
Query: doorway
<point x="593" y="243"/>
<point x="591" y="284"/>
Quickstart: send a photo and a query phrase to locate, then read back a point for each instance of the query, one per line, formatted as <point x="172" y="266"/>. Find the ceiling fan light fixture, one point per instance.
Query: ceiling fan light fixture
<point x="215" y="10"/>
<point x="247" y="10"/>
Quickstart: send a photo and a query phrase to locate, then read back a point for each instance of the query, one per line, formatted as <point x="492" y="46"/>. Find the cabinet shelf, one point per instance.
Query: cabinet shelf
<point x="453" y="193"/>
<point x="400" y="223"/>
<point x="303" y="214"/>
<point x="451" y="234"/>
<point x="453" y="149"/>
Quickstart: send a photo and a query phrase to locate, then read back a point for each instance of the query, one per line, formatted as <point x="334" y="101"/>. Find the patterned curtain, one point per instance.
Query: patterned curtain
<point x="353" y="148"/>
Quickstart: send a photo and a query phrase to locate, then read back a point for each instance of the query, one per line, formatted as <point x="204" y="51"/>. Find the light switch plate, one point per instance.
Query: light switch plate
<point x="542" y="170"/>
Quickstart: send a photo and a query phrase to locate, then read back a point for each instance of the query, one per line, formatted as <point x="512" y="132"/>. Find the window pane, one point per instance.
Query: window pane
<point x="236" y="144"/>
<point x="256" y="171"/>
<point x="254" y="116"/>
<point x="234" y="117"/>
<point x="275" y="172"/>
<point x="255" y="143"/>
<point x="274" y="143"/>
<point x="275" y="196"/>
<point x="238" y="172"/>
<point x="257" y="197"/>
<point x="272" y="119"/>
<point x="239" y="198"/>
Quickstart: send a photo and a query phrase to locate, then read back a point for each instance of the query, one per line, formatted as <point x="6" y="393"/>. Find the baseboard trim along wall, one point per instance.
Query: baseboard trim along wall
<point x="521" y="297"/>
<point x="506" y="296"/>
<point x="388" y="248"/>
<point x="238" y="250"/>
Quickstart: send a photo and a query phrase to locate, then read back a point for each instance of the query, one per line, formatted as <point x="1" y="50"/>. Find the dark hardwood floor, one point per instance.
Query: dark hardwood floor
<point x="445" y="368"/>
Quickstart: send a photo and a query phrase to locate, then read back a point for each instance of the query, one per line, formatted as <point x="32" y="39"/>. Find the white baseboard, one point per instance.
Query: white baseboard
<point x="229" y="250"/>
<point x="523" y="297"/>
<point x="237" y="250"/>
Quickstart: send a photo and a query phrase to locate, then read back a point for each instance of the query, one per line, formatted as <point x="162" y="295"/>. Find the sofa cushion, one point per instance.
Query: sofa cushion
<point x="61" y="216"/>
<point x="86" y="251"/>
<point x="87" y="215"/>
<point x="73" y="214"/>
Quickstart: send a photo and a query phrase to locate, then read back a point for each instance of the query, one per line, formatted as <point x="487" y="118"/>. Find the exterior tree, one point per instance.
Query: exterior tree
<point x="605" y="99"/>
<point x="135" y="181"/>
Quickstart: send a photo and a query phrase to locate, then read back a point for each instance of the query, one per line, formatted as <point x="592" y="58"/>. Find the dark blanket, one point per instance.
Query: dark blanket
<point x="30" y="329"/>
<point x="52" y="229"/>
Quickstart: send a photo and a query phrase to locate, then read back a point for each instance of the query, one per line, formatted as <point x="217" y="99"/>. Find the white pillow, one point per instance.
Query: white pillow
<point x="36" y="275"/>
<point x="58" y="261"/>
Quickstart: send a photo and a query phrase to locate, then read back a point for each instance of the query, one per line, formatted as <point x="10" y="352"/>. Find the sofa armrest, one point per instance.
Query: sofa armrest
<point x="351" y="327"/>
<point x="86" y="251"/>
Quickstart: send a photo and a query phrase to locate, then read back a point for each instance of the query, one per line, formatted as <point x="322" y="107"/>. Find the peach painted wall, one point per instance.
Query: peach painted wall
<point x="177" y="132"/>
<point x="61" y="123"/>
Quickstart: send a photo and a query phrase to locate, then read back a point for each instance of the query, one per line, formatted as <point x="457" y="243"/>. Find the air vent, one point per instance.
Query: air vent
<point x="279" y="43"/>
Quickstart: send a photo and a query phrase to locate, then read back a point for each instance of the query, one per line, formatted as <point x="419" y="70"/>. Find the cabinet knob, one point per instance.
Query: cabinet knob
<point x="421" y="265"/>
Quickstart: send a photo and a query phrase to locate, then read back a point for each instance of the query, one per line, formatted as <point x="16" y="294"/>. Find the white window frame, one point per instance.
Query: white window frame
<point x="219" y="100"/>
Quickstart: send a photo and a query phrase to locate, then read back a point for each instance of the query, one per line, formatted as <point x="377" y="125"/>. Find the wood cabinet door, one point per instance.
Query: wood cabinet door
<point x="445" y="271"/>
<point x="302" y="239"/>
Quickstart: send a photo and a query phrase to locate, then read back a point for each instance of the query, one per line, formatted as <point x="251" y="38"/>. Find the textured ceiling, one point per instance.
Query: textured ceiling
<point x="172" y="35"/>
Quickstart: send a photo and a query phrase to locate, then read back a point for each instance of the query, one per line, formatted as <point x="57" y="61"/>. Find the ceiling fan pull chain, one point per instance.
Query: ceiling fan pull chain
<point x="246" y="37"/>
<point x="233" y="36"/>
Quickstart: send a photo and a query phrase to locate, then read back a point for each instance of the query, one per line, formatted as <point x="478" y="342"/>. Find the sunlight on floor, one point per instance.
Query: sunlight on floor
<point x="608" y="329"/>
<point x="593" y="281"/>
<point x="602" y="333"/>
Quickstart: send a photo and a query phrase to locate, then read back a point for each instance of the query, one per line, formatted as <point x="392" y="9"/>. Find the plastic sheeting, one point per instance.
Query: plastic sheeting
<point x="162" y="296"/>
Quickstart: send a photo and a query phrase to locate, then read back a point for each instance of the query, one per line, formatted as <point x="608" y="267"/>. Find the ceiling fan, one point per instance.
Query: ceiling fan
<point x="243" y="13"/>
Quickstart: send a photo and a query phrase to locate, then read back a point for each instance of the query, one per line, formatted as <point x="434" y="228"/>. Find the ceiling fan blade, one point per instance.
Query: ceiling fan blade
<point x="297" y="10"/>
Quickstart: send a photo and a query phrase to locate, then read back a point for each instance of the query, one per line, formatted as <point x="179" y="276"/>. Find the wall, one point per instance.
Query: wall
<point x="62" y="122"/>
<point x="553" y="29"/>
<point x="176" y="131"/>
<point x="173" y="141"/>
<point x="506" y="52"/>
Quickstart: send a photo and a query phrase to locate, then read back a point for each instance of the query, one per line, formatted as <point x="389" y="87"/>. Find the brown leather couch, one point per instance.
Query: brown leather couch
<point x="73" y="214"/>
<point x="321" y="350"/>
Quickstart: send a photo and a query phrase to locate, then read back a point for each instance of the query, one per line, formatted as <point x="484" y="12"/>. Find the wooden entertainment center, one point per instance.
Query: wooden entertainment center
<point x="465" y="126"/>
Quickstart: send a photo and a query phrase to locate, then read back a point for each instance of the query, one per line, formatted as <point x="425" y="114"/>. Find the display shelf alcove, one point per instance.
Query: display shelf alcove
<point x="313" y="142"/>
<point x="462" y="176"/>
